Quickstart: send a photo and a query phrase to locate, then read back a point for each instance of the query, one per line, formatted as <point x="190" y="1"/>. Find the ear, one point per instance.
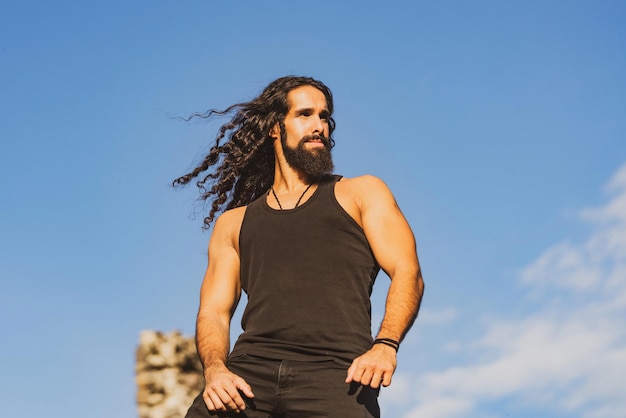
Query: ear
<point x="275" y="131"/>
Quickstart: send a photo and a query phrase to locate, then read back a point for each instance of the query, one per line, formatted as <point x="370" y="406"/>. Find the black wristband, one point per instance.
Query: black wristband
<point x="388" y="342"/>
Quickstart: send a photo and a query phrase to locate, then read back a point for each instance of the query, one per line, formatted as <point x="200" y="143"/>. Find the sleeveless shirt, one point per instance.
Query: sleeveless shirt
<point x="308" y="273"/>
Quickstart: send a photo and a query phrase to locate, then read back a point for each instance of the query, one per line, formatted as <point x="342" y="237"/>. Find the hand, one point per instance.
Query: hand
<point x="374" y="367"/>
<point x="221" y="390"/>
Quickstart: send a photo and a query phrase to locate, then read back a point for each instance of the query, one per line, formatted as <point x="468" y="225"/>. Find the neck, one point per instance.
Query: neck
<point x="288" y="179"/>
<point x="291" y="185"/>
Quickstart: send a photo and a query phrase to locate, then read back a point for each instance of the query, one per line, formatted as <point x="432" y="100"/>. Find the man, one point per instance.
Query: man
<point x="306" y="247"/>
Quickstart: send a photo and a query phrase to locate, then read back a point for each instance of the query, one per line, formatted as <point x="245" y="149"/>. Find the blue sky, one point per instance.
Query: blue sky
<point x="499" y="126"/>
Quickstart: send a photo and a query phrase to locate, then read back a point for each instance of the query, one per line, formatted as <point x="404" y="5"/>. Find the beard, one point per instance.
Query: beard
<point x="314" y="163"/>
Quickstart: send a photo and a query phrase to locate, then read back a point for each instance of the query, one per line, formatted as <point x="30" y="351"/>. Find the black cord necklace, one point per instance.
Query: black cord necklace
<point x="297" y="203"/>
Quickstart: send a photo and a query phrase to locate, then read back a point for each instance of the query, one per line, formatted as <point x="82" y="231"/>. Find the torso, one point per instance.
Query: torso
<point x="347" y="192"/>
<point x="308" y="272"/>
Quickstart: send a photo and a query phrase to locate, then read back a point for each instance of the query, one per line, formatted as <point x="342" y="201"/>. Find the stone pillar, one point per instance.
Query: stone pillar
<point x="168" y="374"/>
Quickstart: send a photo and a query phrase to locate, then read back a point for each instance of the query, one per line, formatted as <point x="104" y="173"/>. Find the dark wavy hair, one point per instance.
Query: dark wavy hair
<point x="243" y="156"/>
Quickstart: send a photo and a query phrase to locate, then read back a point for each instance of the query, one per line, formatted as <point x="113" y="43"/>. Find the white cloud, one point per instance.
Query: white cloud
<point x="563" y="266"/>
<point x="569" y="356"/>
<point x="430" y="316"/>
<point x="400" y="390"/>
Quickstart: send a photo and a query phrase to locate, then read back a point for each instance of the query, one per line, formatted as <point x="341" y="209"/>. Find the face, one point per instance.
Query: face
<point x="304" y="133"/>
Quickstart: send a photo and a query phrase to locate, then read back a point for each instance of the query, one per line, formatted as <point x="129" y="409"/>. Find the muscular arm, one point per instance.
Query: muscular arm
<point x="219" y="296"/>
<point x="393" y="244"/>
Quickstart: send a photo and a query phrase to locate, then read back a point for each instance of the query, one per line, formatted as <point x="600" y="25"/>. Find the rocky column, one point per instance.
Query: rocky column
<point x="168" y="374"/>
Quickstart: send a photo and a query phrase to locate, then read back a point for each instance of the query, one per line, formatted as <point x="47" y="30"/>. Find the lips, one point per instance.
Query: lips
<point x="316" y="139"/>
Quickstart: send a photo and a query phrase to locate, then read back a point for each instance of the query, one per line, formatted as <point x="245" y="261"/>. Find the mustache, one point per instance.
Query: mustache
<point x="324" y="139"/>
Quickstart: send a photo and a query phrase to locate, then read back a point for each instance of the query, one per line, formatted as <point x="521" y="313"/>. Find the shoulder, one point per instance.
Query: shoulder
<point x="228" y="225"/>
<point x="232" y="215"/>
<point x="364" y="181"/>
<point x="357" y="195"/>
<point x="363" y="189"/>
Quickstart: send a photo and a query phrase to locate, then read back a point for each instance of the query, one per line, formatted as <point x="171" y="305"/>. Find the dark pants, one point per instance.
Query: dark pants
<point x="297" y="389"/>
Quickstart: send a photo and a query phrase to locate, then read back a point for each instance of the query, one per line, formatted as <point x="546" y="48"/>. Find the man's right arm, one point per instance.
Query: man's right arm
<point x="219" y="296"/>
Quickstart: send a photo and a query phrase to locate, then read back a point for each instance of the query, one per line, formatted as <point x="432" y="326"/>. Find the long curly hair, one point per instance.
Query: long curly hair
<point x="240" y="166"/>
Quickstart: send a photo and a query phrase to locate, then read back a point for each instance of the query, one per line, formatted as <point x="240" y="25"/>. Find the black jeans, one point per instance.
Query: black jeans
<point x="297" y="389"/>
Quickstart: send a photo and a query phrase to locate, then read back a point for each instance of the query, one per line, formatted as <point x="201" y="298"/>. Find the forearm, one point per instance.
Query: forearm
<point x="212" y="339"/>
<point x="223" y="390"/>
<point x="376" y="366"/>
<point x="402" y="305"/>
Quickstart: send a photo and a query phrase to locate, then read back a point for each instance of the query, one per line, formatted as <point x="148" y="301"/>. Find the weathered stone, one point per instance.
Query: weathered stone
<point x="168" y="374"/>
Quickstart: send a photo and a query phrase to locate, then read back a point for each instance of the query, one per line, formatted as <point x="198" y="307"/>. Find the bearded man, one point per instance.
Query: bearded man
<point x="306" y="247"/>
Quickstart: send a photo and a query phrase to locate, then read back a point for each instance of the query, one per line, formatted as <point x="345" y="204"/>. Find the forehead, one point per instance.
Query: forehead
<point x="304" y="97"/>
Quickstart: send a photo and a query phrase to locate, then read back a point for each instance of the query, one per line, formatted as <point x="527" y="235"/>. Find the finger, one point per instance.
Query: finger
<point x="224" y="395"/>
<point x="351" y="370"/>
<point x="387" y="379"/>
<point x="357" y="375"/>
<point x="218" y="405"/>
<point x="218" y="396"/>
<point x="377" y="379"/>
<point x="366" y="377"/>
<point x="208" y="402"/>
<point x="244" y="387"/>
<point x="231" y="399"/>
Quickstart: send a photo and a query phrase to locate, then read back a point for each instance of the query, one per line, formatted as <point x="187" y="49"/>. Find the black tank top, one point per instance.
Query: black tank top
<point x="308" y="273"/>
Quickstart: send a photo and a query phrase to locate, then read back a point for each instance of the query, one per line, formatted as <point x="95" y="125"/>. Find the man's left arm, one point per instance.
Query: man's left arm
<point x="393" y="245"/>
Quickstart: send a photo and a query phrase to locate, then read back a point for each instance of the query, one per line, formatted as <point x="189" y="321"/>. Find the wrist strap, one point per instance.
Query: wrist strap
<point x="388" y="342"/>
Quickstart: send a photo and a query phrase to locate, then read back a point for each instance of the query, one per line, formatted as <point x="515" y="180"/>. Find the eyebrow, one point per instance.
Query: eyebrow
<point x="303" y="110"/>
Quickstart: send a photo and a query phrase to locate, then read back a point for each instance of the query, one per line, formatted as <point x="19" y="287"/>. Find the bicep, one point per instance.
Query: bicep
<point x="221" y="289"/>
<point x="387" y="230"/>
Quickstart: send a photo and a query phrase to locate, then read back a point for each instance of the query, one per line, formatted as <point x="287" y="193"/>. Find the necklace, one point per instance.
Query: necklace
<point x="297" y="203"/>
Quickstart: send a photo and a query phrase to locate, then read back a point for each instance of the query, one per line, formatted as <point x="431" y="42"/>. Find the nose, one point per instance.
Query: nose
<point x="318" y="125"/>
